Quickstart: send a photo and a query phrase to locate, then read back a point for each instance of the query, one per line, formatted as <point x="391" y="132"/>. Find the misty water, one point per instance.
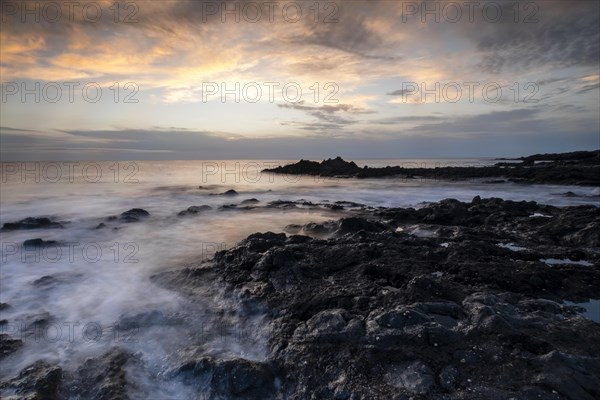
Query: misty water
<point x="99" y="276"/>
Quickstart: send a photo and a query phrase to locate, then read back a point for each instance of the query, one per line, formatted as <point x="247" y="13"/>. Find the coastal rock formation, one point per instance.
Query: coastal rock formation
<point x="577" y="168"/>
<point x="450" y="301"/>
<point x="378" y="312"/>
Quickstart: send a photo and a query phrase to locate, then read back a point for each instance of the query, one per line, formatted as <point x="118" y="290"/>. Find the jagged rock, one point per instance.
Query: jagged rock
<point x="39" y="381"/>
<point x="105" y="377"/>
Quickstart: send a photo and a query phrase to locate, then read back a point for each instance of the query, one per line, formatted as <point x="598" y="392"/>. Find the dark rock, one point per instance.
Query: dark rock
<point x="237" y="378"/>
<point x="47" y="281"/>
<point x="348" y="314"/>
<point x="318" y="229"/>
<point x="146" y="319"/>
<point x="574" y="377"/>
<point x="194" y="210"/>
<point x="261" y="242"/>
<point x="495" y="181"/>
<point x="39" y="243"/>
<point x="105" y="377"/>
<point x="562" y="169"/>
<point x="29" y="322"/>
<point x="448" y="377"/>
<point x="134" y="215"/>
<point x="293" y="228"/>
<point x="356" y="224"/>
<point x="101" y="225"/>
<point x="250" y="201"/>
<point x="40" y="381"/>
<point x="329" y="326"/>
<point x="32" y="223"/>
<point x="415" y="377"/>
<point x="8" y="345"/>
<point x="329" y="167"/>
<point x="401" y="318"/>
<point x="230" y="192"/>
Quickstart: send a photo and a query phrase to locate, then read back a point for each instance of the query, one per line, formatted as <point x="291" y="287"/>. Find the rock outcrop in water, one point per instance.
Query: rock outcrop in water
<point x="32" y="223"/>
<point x="193" y="210"/>
<point x="452" y="301"/>
<point x="134" y="215"/>
<point x="577" y="168"/>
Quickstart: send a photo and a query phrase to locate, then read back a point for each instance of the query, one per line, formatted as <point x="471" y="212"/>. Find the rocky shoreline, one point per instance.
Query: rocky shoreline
<point x="577" y="168"/>
<point x="455" y="300"/>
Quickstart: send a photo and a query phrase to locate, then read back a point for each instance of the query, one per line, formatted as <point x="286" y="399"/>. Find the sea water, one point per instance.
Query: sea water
<point x="94" y="277"/>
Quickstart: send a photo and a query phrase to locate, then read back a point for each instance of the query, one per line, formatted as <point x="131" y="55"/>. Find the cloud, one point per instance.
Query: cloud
<point x="328" y="114"/>
<point x="407" y="119"/>
<point x="560" y="34"/>
<point x="175" y="46"/>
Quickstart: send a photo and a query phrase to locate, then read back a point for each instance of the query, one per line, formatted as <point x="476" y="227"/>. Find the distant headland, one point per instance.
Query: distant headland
<point x="574" y="168"/>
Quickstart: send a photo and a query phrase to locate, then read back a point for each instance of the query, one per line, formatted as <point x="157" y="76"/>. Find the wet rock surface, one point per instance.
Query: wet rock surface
<point x="8" y="345"/>
<point x="450" y="301"/>
<point x="226" y="379"/>
<point x="40" y="381"/>
<point x="39" y="243"/>
<point x="194" y="210"/>
<point x="577" y="168"/>
<point x="105" y="377"/>
<point x="32" y="223"/>
<point x="377" y="312"/>
<point x="134" y="215"/>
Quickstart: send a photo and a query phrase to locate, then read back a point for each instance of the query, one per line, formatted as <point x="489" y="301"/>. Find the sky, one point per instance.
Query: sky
<point x="144" y="80"/>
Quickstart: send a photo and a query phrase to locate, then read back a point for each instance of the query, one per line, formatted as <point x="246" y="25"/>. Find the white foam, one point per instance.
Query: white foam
<point x="565" y="261"/>
<point x="511" y="246"/>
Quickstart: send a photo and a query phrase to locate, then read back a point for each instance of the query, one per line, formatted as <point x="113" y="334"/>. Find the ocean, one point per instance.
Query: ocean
<point x="65" y="301"/>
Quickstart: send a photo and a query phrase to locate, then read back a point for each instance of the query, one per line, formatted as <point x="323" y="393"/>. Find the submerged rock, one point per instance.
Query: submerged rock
<point x="39" y="243"/>
<point x="229" y="192"/>
<point x="146" y="319"/>
<point x="32" y="223"/>
<point x="194" y="210"/>
<point x="250" y="201"/>
<point x="8" y="345"/>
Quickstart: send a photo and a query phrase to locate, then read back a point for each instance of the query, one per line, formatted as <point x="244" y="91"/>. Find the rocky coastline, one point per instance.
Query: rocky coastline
<point x="576" y="168"/>
<point x="451" y="301"/>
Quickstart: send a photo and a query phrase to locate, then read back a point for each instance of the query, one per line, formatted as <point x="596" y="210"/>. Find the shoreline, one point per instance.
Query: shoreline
<point x="576" y="168"/>
<point x="444" y="300"/>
